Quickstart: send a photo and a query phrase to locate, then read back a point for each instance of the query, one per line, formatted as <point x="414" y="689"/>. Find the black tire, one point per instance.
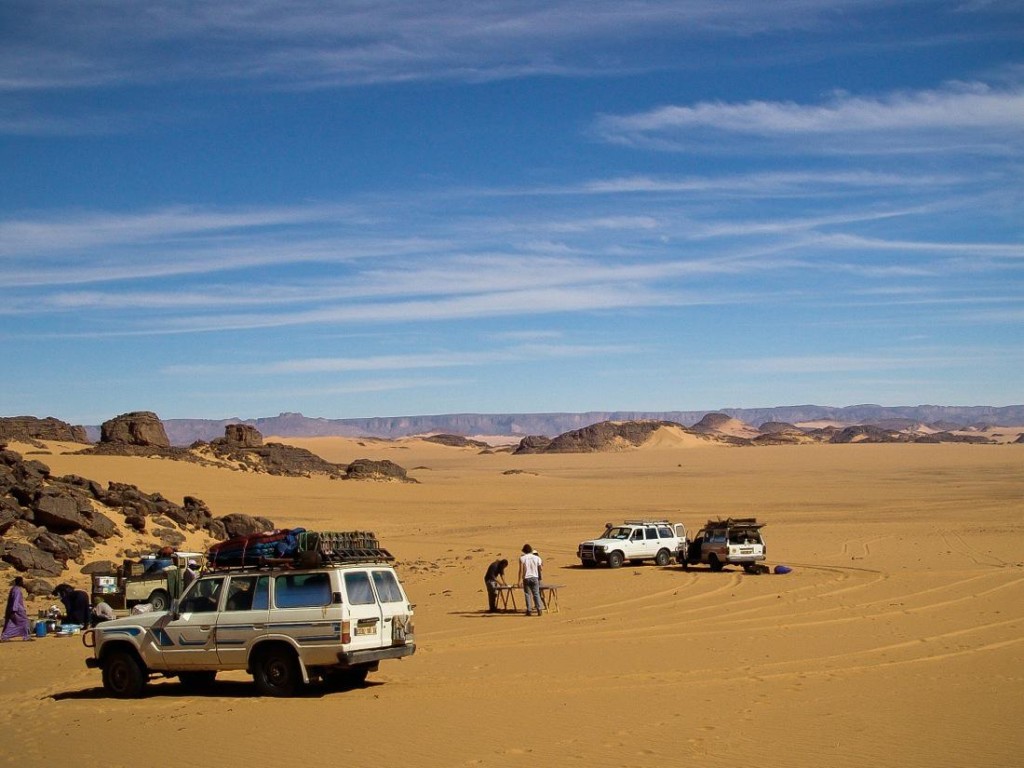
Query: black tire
<point x="197" y="681"/>
<point x="663" y="558"/>
<point x="276" y="672"/>
<point x="714" y="562"/>
<point x="123" y="675"/>
<point x="615" y="559"/>
<point x="160" y="600"/>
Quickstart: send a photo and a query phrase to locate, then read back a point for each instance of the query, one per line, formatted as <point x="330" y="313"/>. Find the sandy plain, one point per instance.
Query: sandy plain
<point x="897" y="640"/>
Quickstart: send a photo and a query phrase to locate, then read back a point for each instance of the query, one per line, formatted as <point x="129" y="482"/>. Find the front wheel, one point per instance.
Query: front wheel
<point x="123" y="675"/>
<point x="663" y="558"/>
<point x="276" y="673"/>
<point x="714" y="562"/>
<point x="614" y="559"/>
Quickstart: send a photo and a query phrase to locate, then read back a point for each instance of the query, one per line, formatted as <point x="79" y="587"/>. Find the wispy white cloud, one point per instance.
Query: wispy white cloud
<point x="971" y="116"/>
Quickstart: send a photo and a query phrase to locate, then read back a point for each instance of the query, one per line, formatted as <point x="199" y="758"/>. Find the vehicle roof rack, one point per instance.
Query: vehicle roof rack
<point x="305" y="549"/>
<point x="646" y="522"/>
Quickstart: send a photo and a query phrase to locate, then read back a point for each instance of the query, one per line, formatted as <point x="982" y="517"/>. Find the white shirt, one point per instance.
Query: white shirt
<point x="531" y="565"/>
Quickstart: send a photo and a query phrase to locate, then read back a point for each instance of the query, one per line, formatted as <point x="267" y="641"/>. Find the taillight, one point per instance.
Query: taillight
<point x="346" y="632"/>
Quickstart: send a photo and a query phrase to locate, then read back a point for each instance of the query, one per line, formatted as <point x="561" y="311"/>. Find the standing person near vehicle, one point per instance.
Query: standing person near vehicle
<point x="76" y="604"/>
<point x="494" y="578"/>
<point x="189" y="574"/>
<point x="16" y="615"/>
<point x="530" y="566"/>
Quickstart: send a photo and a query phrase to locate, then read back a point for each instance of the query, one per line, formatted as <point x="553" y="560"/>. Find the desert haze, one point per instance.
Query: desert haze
<point x="896" y="640"/>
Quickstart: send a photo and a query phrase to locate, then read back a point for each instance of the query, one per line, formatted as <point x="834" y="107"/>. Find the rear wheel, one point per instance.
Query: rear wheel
<point x="123" y="675"/>
<point x="160" y="600"/>
<point x="663" y="558"/>
<point x="276" y="673"/>
<point x="614" y="559"/>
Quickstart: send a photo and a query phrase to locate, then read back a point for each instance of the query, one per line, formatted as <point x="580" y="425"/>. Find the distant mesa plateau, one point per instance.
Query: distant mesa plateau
<point x="239" y="442"/>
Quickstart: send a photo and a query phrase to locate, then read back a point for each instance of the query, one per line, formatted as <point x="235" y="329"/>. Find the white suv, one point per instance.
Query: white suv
<point x="284" y="625"/>
<point x="636" y="541"/>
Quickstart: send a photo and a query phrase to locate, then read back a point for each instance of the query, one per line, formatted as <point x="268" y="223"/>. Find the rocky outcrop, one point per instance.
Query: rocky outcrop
<point x="239" y="524"/>
<point x="606" y="436"/>
<point x="142" y="428"/>
<point x="47" y="523"/>
<point x="242" y="436"/>
<point x="384" y="470"/>
<point x="455" y="441"/>
<point x="30" y="429"/>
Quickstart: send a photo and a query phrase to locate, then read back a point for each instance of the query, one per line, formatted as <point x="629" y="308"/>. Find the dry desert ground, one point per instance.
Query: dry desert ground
<point x="896" y="640"/>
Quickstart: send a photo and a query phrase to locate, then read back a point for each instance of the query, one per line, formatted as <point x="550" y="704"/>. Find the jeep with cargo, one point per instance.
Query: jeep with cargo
<point x="733" y="541"/>
<point x="635" y="541"/>
<point x="330" y="615"/>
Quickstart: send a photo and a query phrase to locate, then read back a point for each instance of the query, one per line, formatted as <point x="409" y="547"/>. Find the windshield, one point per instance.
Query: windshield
<point x="616" y="533"/>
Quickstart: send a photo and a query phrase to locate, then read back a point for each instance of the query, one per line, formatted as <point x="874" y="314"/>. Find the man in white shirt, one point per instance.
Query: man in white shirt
<point x="530" y="566"/>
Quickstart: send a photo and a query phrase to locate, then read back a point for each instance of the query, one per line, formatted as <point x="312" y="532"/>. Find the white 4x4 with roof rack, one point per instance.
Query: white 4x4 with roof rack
<point x="635" y="541"/>
<point x="326" y="612"/>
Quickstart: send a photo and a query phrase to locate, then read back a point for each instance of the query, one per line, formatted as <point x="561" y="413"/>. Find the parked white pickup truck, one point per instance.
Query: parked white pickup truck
<point x="635" y="541"/>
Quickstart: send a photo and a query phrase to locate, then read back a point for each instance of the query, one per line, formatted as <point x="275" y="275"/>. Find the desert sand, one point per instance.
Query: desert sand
<point x="896" y="640"/>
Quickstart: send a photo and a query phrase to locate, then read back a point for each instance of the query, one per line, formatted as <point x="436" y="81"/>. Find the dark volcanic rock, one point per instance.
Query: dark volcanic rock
<point x="31" y="429"/>
<point x="712" y="422"/>
<point x="533" y="444"/>
<point x="141" y="428"/>
<point x="32" y="560"/>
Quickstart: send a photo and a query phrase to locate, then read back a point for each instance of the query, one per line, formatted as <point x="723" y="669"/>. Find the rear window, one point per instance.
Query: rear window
<point x="387" y="587"/>
<point x="305" y="590"/>
<point x="357" y="585"/>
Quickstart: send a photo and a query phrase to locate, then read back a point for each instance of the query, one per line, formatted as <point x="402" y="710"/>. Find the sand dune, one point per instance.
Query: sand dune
<point x="896" y="641"/>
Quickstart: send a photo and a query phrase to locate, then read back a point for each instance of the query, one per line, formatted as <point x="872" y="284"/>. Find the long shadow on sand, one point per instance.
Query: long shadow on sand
<point x="234" y="689"/>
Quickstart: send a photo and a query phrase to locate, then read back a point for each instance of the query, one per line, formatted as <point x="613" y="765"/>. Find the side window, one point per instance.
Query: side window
<point x="246" y="593"/>
<point x="306" y="590"/>
<point x="638" y="535"/>
<point x="203" y="597"/>
<point x="652" y="533"/>
<point x="357" y="585"/>
<point x="387" y="587"/>
<point x="665" y="532"/>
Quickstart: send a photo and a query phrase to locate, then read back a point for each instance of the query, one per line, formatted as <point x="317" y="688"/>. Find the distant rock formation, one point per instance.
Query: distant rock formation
<point x="605" y="436"/>
<point x="455" y="441"/>
<point x="242" y="436"/>
<point x="30" y="429"/>
<point x="142" y="428"/>
<point x="384" y="470"/>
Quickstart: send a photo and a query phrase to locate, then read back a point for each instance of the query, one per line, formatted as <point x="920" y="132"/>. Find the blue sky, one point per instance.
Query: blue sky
<point x="354" y="209"/>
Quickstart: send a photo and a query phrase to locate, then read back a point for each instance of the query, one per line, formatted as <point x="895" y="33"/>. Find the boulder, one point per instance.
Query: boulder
<point x="368" y="469"/>
<point x="61" y="548"/>
<point x="32" y="560"/>
<point x="242" y="436"/>
<point x="142" y="428"/>
<point x="239" y="524"/>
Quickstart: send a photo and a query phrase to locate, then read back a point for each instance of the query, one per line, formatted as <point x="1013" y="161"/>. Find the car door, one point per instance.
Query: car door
<point x="394" y="607"/>
<point x="186" y="637"/>
<point x="244" y="618"/>
<point x="365" y="616"/>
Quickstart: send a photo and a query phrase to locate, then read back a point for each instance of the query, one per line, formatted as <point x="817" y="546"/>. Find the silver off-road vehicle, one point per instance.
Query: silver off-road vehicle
<point x="733" y="541"/>
<point x="284" y="624"/>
